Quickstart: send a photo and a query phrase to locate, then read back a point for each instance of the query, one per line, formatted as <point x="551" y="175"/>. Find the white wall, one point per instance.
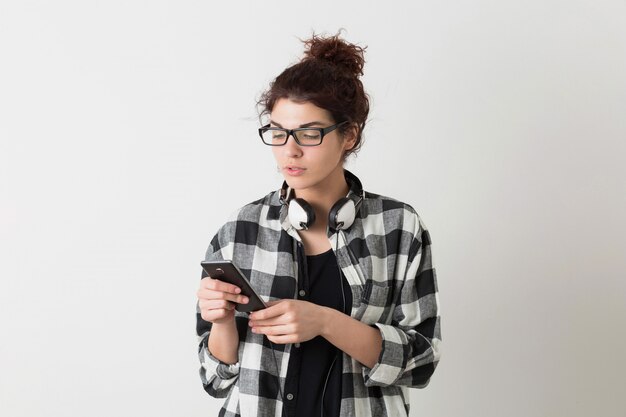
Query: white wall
<point x="127" y="134"/>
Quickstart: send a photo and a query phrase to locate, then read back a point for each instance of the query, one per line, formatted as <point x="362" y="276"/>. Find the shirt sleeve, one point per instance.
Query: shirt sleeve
<point x="217" y="377"/>
<point x="410" y="343"/>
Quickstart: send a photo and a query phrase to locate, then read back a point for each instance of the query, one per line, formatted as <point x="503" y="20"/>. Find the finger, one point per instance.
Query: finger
<point x="283" y="340"/>
<point x="205" y="294"/>
<point x="213" y="315"/>
<point x="217" y="285"/>
<point x="218" y="295"/>
<point x="217" y="304"/>
<point x="274" y="321"/>
<point x="276" y="309"/>
<point x="273" y="330"/>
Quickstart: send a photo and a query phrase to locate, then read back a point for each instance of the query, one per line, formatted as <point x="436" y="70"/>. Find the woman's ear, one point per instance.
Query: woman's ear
<point x="349" y="138"/>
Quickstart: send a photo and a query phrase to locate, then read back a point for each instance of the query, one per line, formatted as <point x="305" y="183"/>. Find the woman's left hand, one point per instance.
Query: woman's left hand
<point x="288" y="321"/>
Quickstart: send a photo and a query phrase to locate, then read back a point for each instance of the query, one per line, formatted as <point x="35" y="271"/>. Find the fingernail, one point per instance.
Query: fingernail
<point x="244" y="300"/>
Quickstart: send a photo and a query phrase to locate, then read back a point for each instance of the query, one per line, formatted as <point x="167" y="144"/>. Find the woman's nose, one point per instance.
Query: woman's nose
<point x="291" y="148"/>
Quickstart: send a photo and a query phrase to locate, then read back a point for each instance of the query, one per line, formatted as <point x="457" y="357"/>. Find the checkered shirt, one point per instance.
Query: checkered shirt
<point x="386" y="258"/>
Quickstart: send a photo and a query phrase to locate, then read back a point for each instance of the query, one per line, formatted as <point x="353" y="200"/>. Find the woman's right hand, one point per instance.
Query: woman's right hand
<point x="217" y="300"/>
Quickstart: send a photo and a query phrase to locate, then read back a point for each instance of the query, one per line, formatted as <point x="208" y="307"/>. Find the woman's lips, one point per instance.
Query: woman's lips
<point x="294" y="171"/>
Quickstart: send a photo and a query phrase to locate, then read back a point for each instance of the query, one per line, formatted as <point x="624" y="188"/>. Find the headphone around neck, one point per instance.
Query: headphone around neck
<point x="341" y="215"/>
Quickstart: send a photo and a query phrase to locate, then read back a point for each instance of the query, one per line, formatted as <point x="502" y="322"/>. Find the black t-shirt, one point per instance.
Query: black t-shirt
<point x="310" y="361"/>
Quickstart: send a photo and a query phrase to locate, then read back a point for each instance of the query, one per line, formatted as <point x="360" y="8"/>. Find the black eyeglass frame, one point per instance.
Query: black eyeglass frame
<point x="291" y="132"/>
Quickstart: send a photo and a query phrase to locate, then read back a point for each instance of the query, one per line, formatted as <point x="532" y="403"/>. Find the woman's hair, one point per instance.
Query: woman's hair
<point x="327" y="76"/>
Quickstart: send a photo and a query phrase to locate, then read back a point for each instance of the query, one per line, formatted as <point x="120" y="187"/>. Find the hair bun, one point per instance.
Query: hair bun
<point x="336" y="51"/>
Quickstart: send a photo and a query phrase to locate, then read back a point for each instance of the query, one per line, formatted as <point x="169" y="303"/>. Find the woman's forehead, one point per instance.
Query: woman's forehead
<point x="287" y="111"/>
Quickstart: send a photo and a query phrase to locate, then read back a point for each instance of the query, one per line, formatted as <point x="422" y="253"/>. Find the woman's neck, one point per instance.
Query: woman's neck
<point x="324" y="195"/>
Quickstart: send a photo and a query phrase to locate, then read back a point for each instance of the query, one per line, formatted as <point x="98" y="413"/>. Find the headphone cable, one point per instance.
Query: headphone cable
<point x="280" y="390"/>
<point x="343" y="297"/>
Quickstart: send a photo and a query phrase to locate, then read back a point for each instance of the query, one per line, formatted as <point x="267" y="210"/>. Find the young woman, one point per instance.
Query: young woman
<point x="353" y="313"/>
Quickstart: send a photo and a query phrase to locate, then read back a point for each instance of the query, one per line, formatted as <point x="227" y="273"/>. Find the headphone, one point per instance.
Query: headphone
<point x="341" y="215"/>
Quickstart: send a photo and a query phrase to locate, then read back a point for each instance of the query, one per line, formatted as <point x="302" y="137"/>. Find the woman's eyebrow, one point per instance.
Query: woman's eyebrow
<point x="304" y="125"/>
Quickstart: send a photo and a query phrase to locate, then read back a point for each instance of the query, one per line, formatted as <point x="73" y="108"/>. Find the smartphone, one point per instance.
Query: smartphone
<point x="228" y="272"/>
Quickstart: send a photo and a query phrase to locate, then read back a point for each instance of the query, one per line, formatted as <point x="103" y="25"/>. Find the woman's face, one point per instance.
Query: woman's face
<point x="308" y="167"/>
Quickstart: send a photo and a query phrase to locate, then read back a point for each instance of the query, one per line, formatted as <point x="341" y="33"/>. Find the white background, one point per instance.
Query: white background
<point x="128" y="134"/>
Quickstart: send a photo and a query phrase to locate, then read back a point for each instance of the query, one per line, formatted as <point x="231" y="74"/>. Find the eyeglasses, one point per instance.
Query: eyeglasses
<point x="304" y="136"/>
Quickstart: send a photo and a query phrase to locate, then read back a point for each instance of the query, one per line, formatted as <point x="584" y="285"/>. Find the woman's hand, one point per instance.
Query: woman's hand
<point x="217" y="300"/>
<point x="289" y="321"/>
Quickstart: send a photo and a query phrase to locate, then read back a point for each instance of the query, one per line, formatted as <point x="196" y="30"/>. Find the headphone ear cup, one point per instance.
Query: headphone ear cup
<point x="301" y="214"/>
<point x="342" y="214"/>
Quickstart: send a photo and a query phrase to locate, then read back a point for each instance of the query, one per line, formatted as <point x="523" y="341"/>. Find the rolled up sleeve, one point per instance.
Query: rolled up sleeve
<point x="410" y="343"/>
<point x="217" y="377"/>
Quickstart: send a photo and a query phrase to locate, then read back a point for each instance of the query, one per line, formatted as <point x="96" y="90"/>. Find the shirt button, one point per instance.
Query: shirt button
<point x="297" y="345"/>
<point x="302" y="293"/>
<point x="290" y="396"/>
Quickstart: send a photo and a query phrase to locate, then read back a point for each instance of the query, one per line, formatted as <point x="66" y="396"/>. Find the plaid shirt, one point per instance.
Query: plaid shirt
<point x="386" y="258"/>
